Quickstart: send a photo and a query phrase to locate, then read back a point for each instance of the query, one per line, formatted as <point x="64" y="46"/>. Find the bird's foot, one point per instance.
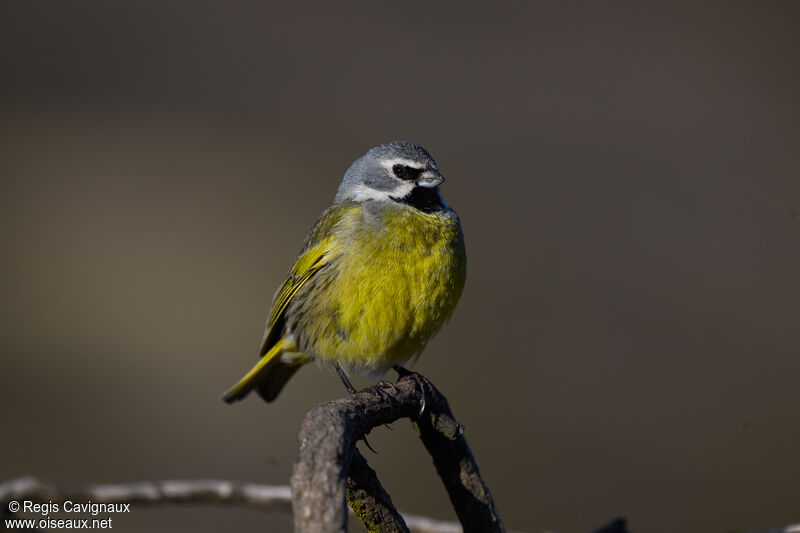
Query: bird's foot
<point x="425" y="386"/>
<point x="380" y="392"/>
<point x="380" y="389"/>
<point x="352" y="390"/>
<point x="383" y="384"/>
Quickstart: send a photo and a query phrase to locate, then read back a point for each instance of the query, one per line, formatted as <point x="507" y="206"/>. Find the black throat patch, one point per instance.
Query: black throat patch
<point x="425" y="199"/>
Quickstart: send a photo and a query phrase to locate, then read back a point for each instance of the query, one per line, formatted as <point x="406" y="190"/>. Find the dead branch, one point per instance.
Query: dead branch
<point x="369" y="501"/>
<point x="327" y="447"/>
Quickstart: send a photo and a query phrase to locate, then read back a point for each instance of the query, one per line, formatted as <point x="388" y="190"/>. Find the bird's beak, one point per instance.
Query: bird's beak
<point x="430" y="179"/>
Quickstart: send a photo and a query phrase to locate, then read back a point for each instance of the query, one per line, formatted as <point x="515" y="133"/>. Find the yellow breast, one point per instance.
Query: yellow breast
<point x="394" y="278"/>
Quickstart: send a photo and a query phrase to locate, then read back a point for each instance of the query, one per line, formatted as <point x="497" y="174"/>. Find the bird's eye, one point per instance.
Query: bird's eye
<point x="405" y="172"/>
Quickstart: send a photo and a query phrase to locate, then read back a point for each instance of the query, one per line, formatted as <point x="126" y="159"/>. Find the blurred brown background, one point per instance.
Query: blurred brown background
<point x="628" y="178"/>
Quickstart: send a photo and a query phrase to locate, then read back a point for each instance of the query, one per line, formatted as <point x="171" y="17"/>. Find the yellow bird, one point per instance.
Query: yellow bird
<point x="380" y="273"/>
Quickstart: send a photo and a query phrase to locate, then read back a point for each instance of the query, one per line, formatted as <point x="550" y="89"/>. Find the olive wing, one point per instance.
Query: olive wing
<point x="315" y="255"/>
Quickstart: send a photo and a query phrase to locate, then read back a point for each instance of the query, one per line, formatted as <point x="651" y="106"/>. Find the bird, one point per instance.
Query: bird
<point x="379" y="274"/>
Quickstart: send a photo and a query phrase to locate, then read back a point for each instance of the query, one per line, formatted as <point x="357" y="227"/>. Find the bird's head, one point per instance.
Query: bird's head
<point x="399" y="171"/>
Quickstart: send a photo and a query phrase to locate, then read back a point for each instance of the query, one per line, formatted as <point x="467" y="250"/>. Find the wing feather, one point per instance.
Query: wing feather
<point x="316" y="254"/>
<point x="299" y="276"/>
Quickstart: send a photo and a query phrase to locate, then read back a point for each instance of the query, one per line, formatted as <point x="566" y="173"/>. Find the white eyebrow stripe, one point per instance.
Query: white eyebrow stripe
<point x="389" y="163"/>
<point x="363" y="192"/>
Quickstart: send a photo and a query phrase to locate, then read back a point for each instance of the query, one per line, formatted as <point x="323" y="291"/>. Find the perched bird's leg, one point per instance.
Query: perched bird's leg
<point x="421" y="380"/>
<point x="352" y="390"/>
<point x="343" y="377"/>
<point x="401" y="371"/>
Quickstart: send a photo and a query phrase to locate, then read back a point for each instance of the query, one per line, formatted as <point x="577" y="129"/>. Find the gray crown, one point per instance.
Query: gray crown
<point x="371" y="171"/>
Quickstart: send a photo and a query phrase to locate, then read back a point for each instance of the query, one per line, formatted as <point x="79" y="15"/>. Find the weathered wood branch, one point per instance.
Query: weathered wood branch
<point x="327" y="449"/>
<point x="369" y="501"/>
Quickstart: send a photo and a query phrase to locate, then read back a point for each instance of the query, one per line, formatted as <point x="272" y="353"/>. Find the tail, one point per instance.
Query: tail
<point x="268" y="376"/>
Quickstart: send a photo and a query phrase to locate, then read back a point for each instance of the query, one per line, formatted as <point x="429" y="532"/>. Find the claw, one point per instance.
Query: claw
<point x="387" y="385"/>
<point x="383" y="384"/>
<point x="366" y="442"/>
<point x="379" y="389"/>
<point x="425" y="386"/>
<point x="379" y="392"/>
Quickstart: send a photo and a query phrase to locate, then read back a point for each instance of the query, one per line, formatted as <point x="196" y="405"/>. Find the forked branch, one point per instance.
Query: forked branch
<point x="327" y="454"/>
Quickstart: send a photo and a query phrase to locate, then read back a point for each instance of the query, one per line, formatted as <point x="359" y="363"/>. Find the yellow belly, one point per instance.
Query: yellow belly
<point x="390" y="286"/>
